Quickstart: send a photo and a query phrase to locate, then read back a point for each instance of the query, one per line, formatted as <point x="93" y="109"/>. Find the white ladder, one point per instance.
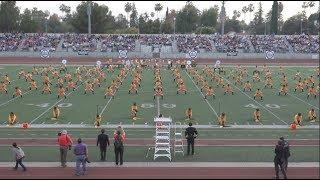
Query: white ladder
<point x="162" y="138"/>
<point x="178" y="142"/>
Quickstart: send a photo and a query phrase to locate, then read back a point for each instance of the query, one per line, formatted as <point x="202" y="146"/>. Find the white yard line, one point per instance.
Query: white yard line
<point x="158" y="106"/>
<point x="14" y="98"/>
<point x="104" y="108"/>
<point x="202" y="95"/>
<point x="53" y="106"/>
<point x="254" y="100"/>
<point x="303" y="101"/>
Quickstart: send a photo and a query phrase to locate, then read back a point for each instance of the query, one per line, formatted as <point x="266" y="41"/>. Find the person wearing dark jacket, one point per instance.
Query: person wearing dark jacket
<point x="191" y="133"/>
<point x="279" y="160"/>
<point x="286" y="147"/>
<point x="118" y="147"/>
<point x="103" y="142"/>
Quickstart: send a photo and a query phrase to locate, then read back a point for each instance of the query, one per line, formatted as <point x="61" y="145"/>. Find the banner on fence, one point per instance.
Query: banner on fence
<point x="192" y="54"/>
<point x="44" y="53"/>
<point x="123" y="53"/>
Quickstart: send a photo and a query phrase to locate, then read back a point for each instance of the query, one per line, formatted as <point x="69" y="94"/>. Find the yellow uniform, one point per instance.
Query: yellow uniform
<point x="312" y="115"/>
<point x="228" y="89"/>
<point x="134" y="111"/>
<point x="257" y="115"/>
<point x="189" y="113"/>
<point x="62" y="92"/>
<point x="258" y="94"/>
<point x="98" y="121"/>
<point x="46" y="89"/>
<point x="283" y="90"/>
<point x="312" y="91"/>
<point x="17" y="92"/>
<point x="298" y="119"/>
<point x="33" y="85"/>
<point x="3" y="87"/>
<point x="247" y="86"/>
<point x="56" y="113"/>
<point x="222" y="120"/>
<point x="12" y="118"/>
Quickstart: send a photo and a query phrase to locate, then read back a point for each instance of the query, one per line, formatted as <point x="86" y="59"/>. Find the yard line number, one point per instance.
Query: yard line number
<point x="150" y="105"/>
<point x="45" y="105"/>
<point x="274" y="106"/>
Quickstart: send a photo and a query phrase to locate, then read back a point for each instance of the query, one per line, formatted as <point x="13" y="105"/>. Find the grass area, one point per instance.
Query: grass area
<point x="149" y="133"/>
<point x="202" y="154"/>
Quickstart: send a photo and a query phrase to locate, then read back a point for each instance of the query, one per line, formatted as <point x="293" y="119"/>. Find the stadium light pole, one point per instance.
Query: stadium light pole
<point x="89" y="17"/>
<point x="300" y="25"/>
<point x="265" y="28"/>
<point x="222" y="17"/>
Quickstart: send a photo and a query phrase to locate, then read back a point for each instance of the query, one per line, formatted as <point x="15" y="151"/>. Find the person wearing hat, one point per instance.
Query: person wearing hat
<point x="65" y="143"/>
<point x="287" y="154"/>
<point x="191" y="133"/>
<point x="103" y="142"/>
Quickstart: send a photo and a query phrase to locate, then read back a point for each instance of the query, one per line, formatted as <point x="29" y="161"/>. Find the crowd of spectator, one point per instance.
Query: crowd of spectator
<point x="187" y="43"/>
<point x="231" y="43"/>
<point x="80" y="42"/>
<point x="304" y="43"/>
<point x="118" y="42"/>
<point x="40" y="41"/>
<point x="10" y="41"/>
<point x="269" y="43"/>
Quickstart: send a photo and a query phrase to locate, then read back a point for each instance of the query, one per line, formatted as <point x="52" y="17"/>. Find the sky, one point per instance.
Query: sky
<point x="117" y="7"/>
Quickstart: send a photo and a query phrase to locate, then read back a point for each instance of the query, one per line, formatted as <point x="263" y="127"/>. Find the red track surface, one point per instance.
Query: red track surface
<point x="160" y="173"/>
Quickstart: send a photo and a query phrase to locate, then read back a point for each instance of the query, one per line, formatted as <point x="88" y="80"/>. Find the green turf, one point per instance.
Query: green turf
<point x="203" y="154"/>
<point x="149" y="133"/>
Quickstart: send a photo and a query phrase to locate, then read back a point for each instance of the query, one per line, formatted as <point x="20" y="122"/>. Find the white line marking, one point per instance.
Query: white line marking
<point x="105" y="106"/>
<point x="248" y="123"/>
<point x="81" y="123"/>
<point x="53" y="106"/>
<point x="69" y="122"/>
<point x="14" y="98"/>
<point x="255" y="101"/>
<point x="202" y="95"/>
<point x="158" y="106"/>
<point x="303" y="101"/>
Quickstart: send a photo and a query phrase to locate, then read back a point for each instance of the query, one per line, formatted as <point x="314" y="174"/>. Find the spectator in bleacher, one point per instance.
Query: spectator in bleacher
<point x="65" y="143"/>
<point x="18" y="155"/>
<point x="191" y="133"/>
<point x="103" y="142"/>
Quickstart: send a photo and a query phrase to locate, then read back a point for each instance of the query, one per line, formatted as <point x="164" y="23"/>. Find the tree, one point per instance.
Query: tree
<point x="231" y="25"/>
<point x="54" y="24"/>
<point x="257" y="26"/>
<point x="250" y="10"/>
<point x="274" y="18"/>
<point x="121" y="22"/>
<point x="152" y="14"/>
<point x="67" y="12"/>
<point x="128" y="8"/>
<point x="9" y="16"/>
<point x="101" y="18"/>
<point x="304" y="6"/>
<point x="209" y="17"/>
<point x="27" y="25"/>
<point x="311" y="4"/>
<point x="158" y="7"/>
<point x="236" y="14"/>
<point x="292" y="24"/>
<point x="134" y="16"/>
<point x="187" y="18"/>
<point x="40" y="19"/>
<point x="313" y="22"/>
<point x="244" y="12"/>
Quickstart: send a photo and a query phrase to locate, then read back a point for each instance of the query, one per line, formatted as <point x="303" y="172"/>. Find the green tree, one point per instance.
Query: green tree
<point x="209" y="17"/>
<point x="9" y="16"/>
<point x="128" y="9"/>
<point x="67" y="12"/>
<point x="244" y="12"/>
<point x="134" y="16"/>
<point x="257" y="24"/>
<point x="121" y="22"/>
<point x="236" y="14"/>
<point x="250" y="10"/>
<point x="101" y="18"/>
<point x="187" y="18"/>
<point x="313" y="22"/>
<point x="274" y="18"/>
<point x="54" y="24"/>
<point x="27" y="25"/>
<point x="158" y="8"/>
<point x="293" y="24"/>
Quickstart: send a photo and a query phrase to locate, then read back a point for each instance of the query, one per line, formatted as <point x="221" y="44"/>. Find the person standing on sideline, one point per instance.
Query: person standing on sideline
<point x="103" y="141"/>
<point x="18" y="155"/>
<point x="118" y="147"/>
<point x="279" y="160"/>
<point x="81" y="153"/>
<point x="191" y="133"/>
<point x="287" y="154"/>
<point x="65" y="143"/>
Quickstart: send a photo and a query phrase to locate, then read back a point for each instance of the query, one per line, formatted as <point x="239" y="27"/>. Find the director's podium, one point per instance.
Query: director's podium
<point x="162" y="138"/>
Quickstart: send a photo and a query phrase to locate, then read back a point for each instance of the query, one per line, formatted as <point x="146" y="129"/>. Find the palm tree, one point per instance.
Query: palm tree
<point x="250" y="9"/>
<point x="128" y="9"/>
<point x="311" y="4"/>
<point x="304" y="6"/>
<point x="158" y="7"/>
<point x="236" y="14"/>
<point x="244" y="12"/>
